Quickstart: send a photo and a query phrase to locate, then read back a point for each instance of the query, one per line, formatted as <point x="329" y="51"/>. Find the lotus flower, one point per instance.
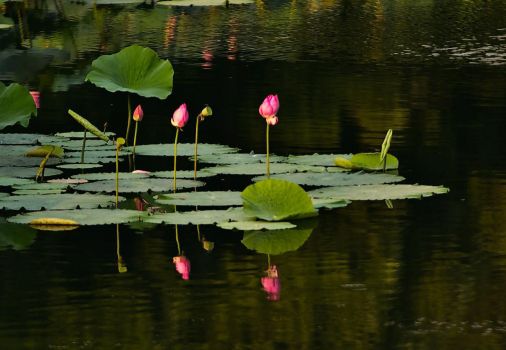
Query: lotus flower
<point x="271" y="284"/>
<point x="138" y="114"/>
<point x="180" y="117"/>
<point x="36" y="98"/>
<point x="182" y="266"/>
<point x="269" y="108"/>
<point x="272" y="120"/>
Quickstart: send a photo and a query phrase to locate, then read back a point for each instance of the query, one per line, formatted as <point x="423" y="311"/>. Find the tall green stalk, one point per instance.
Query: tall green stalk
<point x="84" y="147"/>
<point x="175" y="160"/>
<point x="196" y="147"/>
<point x="128" y="120"/>
<point x="119" y="143"/>
<point x="267" y="147"/>
<point x="135" y="137"/>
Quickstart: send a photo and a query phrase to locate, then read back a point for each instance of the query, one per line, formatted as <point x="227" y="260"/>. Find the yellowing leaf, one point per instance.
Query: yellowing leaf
<point x="53" y="221"/>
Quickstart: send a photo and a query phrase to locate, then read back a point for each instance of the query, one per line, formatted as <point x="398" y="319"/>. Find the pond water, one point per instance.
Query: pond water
<point x="426" y="273"/>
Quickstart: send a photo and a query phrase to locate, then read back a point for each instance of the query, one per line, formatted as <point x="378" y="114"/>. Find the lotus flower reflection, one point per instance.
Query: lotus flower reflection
<point x="271" y="283"/>
<point x="183" y="266"/>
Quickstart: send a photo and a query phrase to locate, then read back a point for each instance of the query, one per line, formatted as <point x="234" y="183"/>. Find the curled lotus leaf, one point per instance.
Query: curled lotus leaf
<point x="367" y="161"/>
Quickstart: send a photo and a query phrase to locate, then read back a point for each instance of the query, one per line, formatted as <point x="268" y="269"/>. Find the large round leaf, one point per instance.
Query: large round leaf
<point x="16" y="105"/>
<point x="276" y="200"/>
<point x="134" y="69"/>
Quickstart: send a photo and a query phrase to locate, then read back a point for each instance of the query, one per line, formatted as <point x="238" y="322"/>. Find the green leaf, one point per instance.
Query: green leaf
<point x="183" y="149"/>
<point x="336" y="179"/>
<point x="80" y="135"/>
<point x="134" y="69"/>
<point x="83" y="216"/>
<point x="181" y="174"/>
<point x="237" y="158"/>
<point x="10" y="181"/>
<point x="211" y="198"/>
<point x="91" y="159"/>
<point x="44" y="150"/>
<point x="16" y="236"/>
<point x="367" y="161"/>
<point x="385" y="146"/>
<point x="137" y="185"/>
<point x="57" y="201"/>
<point x="19" y="139"/>
<point x="109" y="176"/>
<point x="79" y="166"/>
<point x="22" y="161"/>
<point x="377" y="192"/>
<point x="276" y="200"/>
<point x="17" y="105"/>
<point x="88" y="126"/>
<point x="256" y="225"/>
<point x="276" y="242"/>
<point x="26" y="172"/>
<point x="257" y="169"/>
<point x="326" y="160"/>
<point x="201" y="217"/>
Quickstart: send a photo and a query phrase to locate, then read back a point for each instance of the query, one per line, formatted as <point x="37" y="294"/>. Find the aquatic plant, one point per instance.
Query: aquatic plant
<point x="179" y="119"/>
<point x="119" y="143"/>
<point x="271" y="283"/>
<point x="134" y="69"/>
<point x="16" y="105"/>
<point x="45" y="151"/>
<point x="137" y="117"/>
<point x="36" y="98"/>
<point x="268" y="110"/>
<point x="206" y="112"/>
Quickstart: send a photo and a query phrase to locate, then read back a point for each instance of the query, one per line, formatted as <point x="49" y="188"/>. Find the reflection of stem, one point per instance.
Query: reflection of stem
<point x="267" y="147"/>
<point x="84" y="147"/>
<point x="121" y="264"/>
<point x="268" y="261"/>
<point x="198" y="232"/>
<point x="135" y="136"/>
<point x="117" y="175"/>
<point x="20" y="24"/>
<point x="177" y="241"/>
<point x="196" y="145"/>
<point x="175" y="159"/>
<point x="128" y="120"/>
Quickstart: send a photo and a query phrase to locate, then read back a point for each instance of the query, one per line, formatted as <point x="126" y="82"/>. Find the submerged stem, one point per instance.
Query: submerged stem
<point x="196" y="147"/>
<point x="267" y="147"/>
<point x="128" y="120"/>
<point x="175" y="159"/>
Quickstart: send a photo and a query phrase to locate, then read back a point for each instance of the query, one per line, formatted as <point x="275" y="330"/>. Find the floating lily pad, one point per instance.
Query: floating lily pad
<point x="181" y="174"/>
<point x="41" y="186"/>
<point x="367" y="161"/>
<point x="3" y="194"/>
<point x="100" y="160"/>
<point x="183" y="149"/>
<point x="329" y="203"/>
<point x="276" y="242"/>
<point x="77" y="144"/>
<point x="134" y="69"/>
<point x="109" y="176"/>
<point x="32" y="192"/>
<point x="212" y="198"/>
<point x="237" y="158"/>
<point x="94" y="154"/>
<point x="336" y="179"/>
<point x="68" y="181"/>
<point x="256" y="225"/>
<point x="257" y="169"/>
<point x="377" y="192"/>
<point x="16" y="236"/>
<point x="80" y="135"/>
<point x="22" y="161"/>
<point x="5" y="25"/>
<point x="79" y="166"/>
<point x="26" y="172"/>
<point x="57" y="201"/>
<point x="186" y="3"/>
<point x="17" y="105"/>
<point x="201" y="217"/>
<point x="10" y="181"/>
<point x="14" y="150"/>
<point x="137" y="185"/>
<point x="316" y="159"/>
<point x="276" y="200"/>
<point x="19" y="139"/>
<point x="83" y="216"/>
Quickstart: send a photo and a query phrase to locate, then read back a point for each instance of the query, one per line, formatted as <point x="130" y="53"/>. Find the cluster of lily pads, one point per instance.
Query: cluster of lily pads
<point x="274" y="208"/>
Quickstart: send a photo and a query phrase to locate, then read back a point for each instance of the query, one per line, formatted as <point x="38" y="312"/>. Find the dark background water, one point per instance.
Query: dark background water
<point x="425" y="274"/>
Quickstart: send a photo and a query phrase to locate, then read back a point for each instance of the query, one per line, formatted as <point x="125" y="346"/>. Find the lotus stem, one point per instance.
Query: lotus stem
<point x="128" y="120"/>
<point x="196" y="148"/>
<point x="135" y="137"/>
<point x="117" y="175"/>
<point x="175" y="160"/>
<point x="267" y="147"/>
<point x="268" y="261"/>
<point x="42" y="166"/>
<point x="84" y="147"/>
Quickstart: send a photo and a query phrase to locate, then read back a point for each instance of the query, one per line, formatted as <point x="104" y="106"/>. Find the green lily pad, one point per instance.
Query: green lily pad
<point x="77" y="144"/>
<point x="83" y="216"/>
<point x="19" y="139"/>
<point x="212" y="198"/>
<point x="336" y="179"/>
<point x="329" y="203"/>
<point x="57" y="201"/>
<point x="276" y="200"/>
<point x="22" y="161"/>
<point x="109" y="176"/>
<point x="80" y="135"/>
<point x="95" y="154"/>
<point x="17" y="237"/>
<point x="181" y="174"/>
<point x="137" y="185"/>
<point x="316" y="159"/>
<point x="276" y="242"/>
<point x="367" y="161"/>
<point x="6" y="25"/>
<point x="377" y="192"/>
<point x="203" y="2"/>
<point x="33" y="191"/>
<point x="134" y="69"/>
<point x="14" y="150"/>
<point x="183" y="149"/>
<point x="256" y="225"/>
<point x="100" y="160"/>
<point x="237" y="158"/>
<point x="26" y="172"/>
<point x="201" y="217"/>
<point x="79" y="166"/>
<point x="2" y="194"/>
<point x="17" y="105"/>
<point x="257" y="169"/>
<point x="10" y="181"/>
<point x="40" y="188"/>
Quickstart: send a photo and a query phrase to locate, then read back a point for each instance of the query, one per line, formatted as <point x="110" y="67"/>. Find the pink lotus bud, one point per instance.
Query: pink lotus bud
<point x="180" y="116"/>
<point x="36" y="98"/>
<point x="270" y="106"/>
<point x="182" y="266"/>
<point x="138" y="114"/>
<point x="271" y="284"/>
<point x="139" y="204"/>
<point x="272" y="120"/>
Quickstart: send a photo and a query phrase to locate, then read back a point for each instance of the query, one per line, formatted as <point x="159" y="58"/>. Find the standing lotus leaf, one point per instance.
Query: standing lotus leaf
<point x="16" y="105"/>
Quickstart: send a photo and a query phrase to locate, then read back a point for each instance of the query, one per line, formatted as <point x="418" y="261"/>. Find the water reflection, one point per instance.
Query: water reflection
<point x="122" y="268"/>
<point x="271" y="283"/>
<point x="181" y="262"/>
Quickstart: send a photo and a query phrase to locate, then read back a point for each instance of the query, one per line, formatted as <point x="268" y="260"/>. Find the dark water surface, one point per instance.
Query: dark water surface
<point x="426" y="274"/>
